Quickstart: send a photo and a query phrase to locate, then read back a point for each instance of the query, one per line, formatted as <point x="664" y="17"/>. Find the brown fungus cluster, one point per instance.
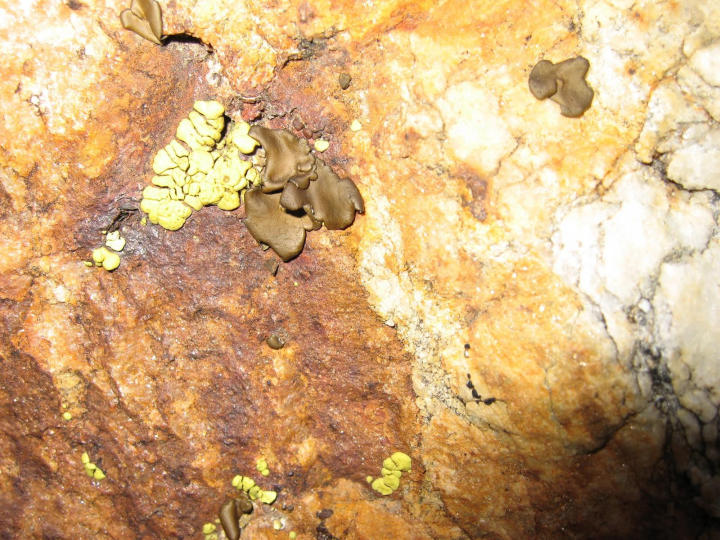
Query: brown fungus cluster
<point x="298" y="193"/>
<point x="564" y="83"/>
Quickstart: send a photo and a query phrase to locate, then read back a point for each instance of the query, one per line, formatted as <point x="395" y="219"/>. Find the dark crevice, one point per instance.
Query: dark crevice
<point x="184" y="38"/>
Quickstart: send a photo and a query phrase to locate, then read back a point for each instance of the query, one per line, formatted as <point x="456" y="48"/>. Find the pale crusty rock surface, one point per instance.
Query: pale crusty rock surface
<point x="566" y="268"/>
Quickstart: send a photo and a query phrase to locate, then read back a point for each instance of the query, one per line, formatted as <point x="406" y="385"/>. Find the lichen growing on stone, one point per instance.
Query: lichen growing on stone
<point x="392" y="469"/>
<point x="91" y="469"/>
<point x="289" y="190"/>
<point x="145" y="19"/>
<point x="106" y="258"/>
<point x="564" y="83"/>
<point x="207" y="169"/>
<point x="310" y="194"/>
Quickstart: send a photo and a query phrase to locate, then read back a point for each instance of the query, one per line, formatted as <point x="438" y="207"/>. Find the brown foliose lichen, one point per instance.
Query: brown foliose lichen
<point x="230" y="513"/>
<point x="329" y="199"/>
<point x="288" y="159"/>
<point x="564" y="83"/>
<point x="298" y="193"/>
<point x="145" y="19"/>
<point x="269" y="224"/>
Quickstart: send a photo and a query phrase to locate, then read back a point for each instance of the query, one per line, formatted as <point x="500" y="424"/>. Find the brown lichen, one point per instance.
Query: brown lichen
<point x="329" y="199"/>
<point x="298" y="193"/>
<point x="288" y="159"/>
<point x="230" y="513"/>
<point x="564" y="83"/>
<point x="145" y="19"/>
<point x="269" y="224"/>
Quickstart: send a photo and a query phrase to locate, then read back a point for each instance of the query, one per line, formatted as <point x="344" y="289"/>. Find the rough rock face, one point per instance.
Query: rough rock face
<point x="528" y="308"/>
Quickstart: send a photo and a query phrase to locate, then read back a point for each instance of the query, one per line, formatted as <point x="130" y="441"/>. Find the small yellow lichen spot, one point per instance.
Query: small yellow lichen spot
<point x="212" y="536"/>
<point x="67" y="416"/>
<point x="98" y="474"/>
<point x="255" y="492"/>
<point x="268" y="497"/>
<point x="143" y="221"/>
<point x="236" y="481"/>
<point x="105" y="258"/>
<point x="113" y="240"/>
<point x="321" y="145"/>
<point x="355" y="125"/>
<point x="208" y="528"/>
<point x="277" y="525"/>
<point x="111" y="262"/>
<point x="85" y="458"/>
<point x="90" y="468"/>
<point x="369" y="479"/>
<point x="292" y="535"/>
<point x="265" y="472"/>
<point x="88" y="263"/>
<point x="389" y="464"/>
<point x="261" y="464"/>
<point x="247" y="483"/>
<point x="388" y="472"/>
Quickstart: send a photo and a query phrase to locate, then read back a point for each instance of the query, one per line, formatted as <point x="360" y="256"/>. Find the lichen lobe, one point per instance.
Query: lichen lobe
<point x="564" y="83"/>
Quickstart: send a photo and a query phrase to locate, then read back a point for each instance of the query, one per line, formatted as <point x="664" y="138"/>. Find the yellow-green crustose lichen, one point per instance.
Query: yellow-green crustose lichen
<point x="262" y="467"/>
<point x="92" y="470"/>
<point x="392" y="470"/>
<point x="248" y="485"/>
<point x="200" y="167"/>
<point x="108" y="258"/>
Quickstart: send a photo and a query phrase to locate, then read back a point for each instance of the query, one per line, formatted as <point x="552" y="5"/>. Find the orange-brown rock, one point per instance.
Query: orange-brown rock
<point x="526" y="308"/>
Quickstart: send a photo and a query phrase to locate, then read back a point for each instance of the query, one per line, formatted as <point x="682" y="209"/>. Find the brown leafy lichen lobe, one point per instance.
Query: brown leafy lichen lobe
<point x="298" y="193"/>
<point x="288" y="159"/>
<point x="330" y="199"/>
<point x="564" y="83"/>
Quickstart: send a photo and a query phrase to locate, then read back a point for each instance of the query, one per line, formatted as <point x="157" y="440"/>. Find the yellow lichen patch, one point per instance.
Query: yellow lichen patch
<point x="392" y="469"/>
<point x="114" y="241"/>
<point x="248" y="485"/>
<point x="262" y="467"/>
<point x="105" y="258"/>
<point x="321" y="145"/>
<point x="209" y="170"/>
<point x="92" y="470"/>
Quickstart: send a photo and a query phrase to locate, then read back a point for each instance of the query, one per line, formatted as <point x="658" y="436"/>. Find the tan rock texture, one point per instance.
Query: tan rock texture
<point x="507" y="311"/>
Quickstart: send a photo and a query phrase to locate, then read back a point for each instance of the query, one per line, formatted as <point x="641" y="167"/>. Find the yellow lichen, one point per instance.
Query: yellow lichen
<point x="92" y="470"/>
<point x="321" y="145"/>
<point x="114" y="241"/>
<point x="102" y="256"/>
<point x="210" y="170"/>
<point x="392" y="469"/>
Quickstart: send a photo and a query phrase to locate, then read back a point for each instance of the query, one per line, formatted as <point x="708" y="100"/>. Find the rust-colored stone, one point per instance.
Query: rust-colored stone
<point x="163" y="363"/>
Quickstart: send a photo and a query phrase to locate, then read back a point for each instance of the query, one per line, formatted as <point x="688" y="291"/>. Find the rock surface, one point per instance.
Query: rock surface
<point x="565" y="270"/>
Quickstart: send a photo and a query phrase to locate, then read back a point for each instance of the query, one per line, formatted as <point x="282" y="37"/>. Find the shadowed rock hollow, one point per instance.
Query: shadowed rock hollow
<point x="527" y="307"/>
